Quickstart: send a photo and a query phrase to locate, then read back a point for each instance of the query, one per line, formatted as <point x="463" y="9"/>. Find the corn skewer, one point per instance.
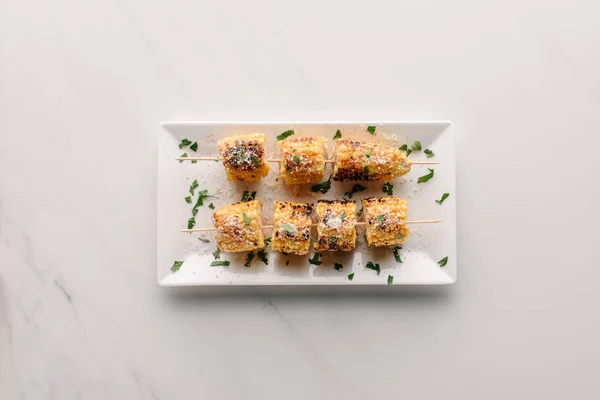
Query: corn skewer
<point x="422" y="221"/>
<point x="278" y="160"/>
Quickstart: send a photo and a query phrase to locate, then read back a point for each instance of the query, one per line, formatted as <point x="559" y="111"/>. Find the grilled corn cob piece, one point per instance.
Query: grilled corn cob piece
<point x="385" y="218"/>
<point x="238" y="227"/>
<point x="302" y="159"/>
<point x="336" y="228"/>
<point x="244" y="157"/>
<point x="357" y="160"/>
<point x="291" y="227"/>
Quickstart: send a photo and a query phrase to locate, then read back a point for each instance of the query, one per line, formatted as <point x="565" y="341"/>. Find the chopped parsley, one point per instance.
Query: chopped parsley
<point x="222" y="263"/>
<point x="371" y="129"/>
<point x="288" y="228"/>
<point x="246" y="219"/>
<point x="202" y="195"/>
<point x="444" y="197"/>
<point x="249" y="259"/>
<point x="188" y="199"/>
<point x="374" y="267"/>
<point x="343" y="217"/>
<point x="285" y="134"/>
<point x="194" y="211"/>
<point x="359" y="212"/>
<point x="355" y="189"/>
<point x="267" y="241"/>
<point x="337" y="135"/>
<point x="204" y="240"/>
<point x="247" y="197"/>
<point x="315" y="260"/>
<point x="390" y="279"/>
<point x="397" y="254"/>
<point x="191" y="222"/>
<point x="405" y="149"/>
<point x="296" y="159"/>
<point x="217" y="253"/>
<point x="429" y="153"/>
<point x="427" y="177"/>
<point x="368" y="155"/>
<point x="184" y="143"/>
<point x="416" y="146"/>
<point x="287" y="262"/>
<point x="399" y="236"/>
<point x="263" y="256"/>
<point x="176" y="266"/>
<point x="194" y="146"/>
<point x="388" y="188"/>
<point x="366" y="170"/>
<point x="183" y="155"/>
<point x="338" y="267"/>
<point x="255" y="161"/>
<point x="193" y="186"/>
<point x="211" y="206"/>
<point x="351" y="276"/>
<point x="443" y="262"/>
<point x="322" y="187"/>
<point x="380" y="219"/>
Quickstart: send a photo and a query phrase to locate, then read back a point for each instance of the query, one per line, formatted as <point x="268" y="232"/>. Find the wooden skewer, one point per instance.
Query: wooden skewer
<point x="423" y="221"/>
<point x="278" y="160"/>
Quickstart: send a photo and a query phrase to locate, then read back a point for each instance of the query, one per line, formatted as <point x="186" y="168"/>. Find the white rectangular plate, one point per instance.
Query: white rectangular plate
<point x="426" y="245"/>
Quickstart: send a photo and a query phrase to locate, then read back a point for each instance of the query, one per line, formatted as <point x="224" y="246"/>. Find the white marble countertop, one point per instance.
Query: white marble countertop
<point x="83" y="86"/>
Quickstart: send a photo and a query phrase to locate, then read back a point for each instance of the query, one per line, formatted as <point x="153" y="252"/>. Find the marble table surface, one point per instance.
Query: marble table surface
<point x="83" y="87"/>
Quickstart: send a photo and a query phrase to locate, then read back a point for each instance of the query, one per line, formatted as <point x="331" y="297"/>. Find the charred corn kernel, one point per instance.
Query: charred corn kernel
<point x="356" y="160"/>
<point x="336" y="228"/>
<point x="302" y="159"/>
<point x="385" y="217"/>
<point x="238" y="227"/>
<point x="244" y="157"/>
<point x="291" y="227"/>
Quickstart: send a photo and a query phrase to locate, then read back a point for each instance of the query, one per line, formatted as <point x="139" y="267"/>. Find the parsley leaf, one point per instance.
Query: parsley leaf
<point x="390" y="279"/>
<point x="397" y="253"/>
<point x="351" y="276"/>
<point x="217" y="253"/>
<point x="184" y="143"/>
<point x="267" y="241"/>
<point x="315" y="259"/>
<point x="247" y="197"/>
<point x="287" y="262"/>
<point x="427" y="177"/>
<point x="263" y="256"/>
<point x="223" y="263"/>
<point x="202" y="195"/>
<point x="176" y="266"/>
<point x="255" y="161"/>
<point x="183" y="155"/>
<point x="194" y="211"/>
<point x="211" y="206"/>
<point x="296" y="159"/>
<point x="289" y="228"/>
<point x="359" y="212"/>
<point x="355" y="189"/>
<point x="366" y="170"/>
<point x="246" y="219"/>
<point x="399" y="236"/>
<point x="444" y="197"/>
<point x="338" y="267"/>
<point x="322" y="187"/>
<point x="193" y="186"/>
<point x="191" y="222"/>
<point x="416" y="146"/>
<point x="285" y="134"/>
<point x="388" y="188"/>
<point x="380" y="219"/>
<point x="188" y="200"/>
<point x="344" y="215"/>
<point x="337" y="135"/>
<point x="371" y="129"/>
<point x="368" y="155"/>
<point x="249" y="259"/>
<point x="405" y="149"/>
<point x="204" y="240"/>
<point x="374" y="267"/>
<point x="429" y="153"/>
<point x="443" y="262"/>
<point x="194" y="146"/>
